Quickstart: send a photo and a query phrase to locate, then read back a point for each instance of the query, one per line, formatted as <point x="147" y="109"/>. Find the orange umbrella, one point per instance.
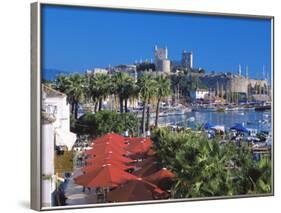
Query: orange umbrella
<point x="106" y="176"/>
<point x="160" y="175"/>
<point x="136" y="190"/>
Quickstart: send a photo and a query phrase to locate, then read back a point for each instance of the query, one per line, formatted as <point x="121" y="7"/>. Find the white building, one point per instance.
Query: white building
<point x="55" y="132"/>
<point x="199" y="94"/>
<point x="96" y="71"/>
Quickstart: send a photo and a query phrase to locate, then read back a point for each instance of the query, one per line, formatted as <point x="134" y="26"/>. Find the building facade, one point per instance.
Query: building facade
<point x="199" y="94"/>
<point x="227" y="84"/>
<point x="55" y="132"/>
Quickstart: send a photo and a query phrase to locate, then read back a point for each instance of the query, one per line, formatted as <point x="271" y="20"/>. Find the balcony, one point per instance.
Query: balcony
<point x="48" y="113"/>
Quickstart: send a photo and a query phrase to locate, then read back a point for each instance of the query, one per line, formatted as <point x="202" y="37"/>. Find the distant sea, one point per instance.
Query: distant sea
<point x="51" y="74"/>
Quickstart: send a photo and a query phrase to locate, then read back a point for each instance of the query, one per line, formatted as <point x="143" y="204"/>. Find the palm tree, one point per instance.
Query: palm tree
<point x="147" y="88"/>
<point x="175" y="83"/>
<point x="163" y="90"/>
<point x="123" y="87"/>
<point x="208" y="168"/>
<point x="104" y="84"/>
<point x="76" y="91"/>
<point x="93" y="91"/>
<point x="74" y="87"/>
<point x="62" y="82"/>
<point x="130" y="91"/>
<point x="100" y="87"/>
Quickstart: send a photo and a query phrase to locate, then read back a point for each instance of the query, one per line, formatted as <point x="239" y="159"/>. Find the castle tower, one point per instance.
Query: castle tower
<point x="160" y="53"/>
<point x="187" y="59"/>
<point x="161" y="61"/>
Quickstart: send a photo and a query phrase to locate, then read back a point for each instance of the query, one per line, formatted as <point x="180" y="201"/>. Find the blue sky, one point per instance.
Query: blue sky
<point x="76" y="39"/>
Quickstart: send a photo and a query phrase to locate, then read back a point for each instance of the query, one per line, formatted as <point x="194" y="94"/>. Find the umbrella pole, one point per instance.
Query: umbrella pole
<point x="105" y="195"/>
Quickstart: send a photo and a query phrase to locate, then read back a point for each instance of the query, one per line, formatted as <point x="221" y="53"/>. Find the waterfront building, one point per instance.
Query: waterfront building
<point x="228" y="84"/>
<point x="199" y="94"/>
<point x="96" y="71"/>
<point x="89" y="73"/>
<point x="55" y="133"/>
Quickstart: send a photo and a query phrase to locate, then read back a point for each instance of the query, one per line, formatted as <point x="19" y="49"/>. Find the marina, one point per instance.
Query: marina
<point x="260" y="120"/>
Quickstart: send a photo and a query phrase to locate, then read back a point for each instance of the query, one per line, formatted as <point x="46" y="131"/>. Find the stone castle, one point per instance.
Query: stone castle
<point x="224" y="84"/>
<point x="220" y="84"/>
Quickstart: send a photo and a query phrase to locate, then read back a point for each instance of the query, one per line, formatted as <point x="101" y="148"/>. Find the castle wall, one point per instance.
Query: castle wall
<point x="166" y="66"/>
<point x="238" y="84"/>
<point x="234" y="83"/>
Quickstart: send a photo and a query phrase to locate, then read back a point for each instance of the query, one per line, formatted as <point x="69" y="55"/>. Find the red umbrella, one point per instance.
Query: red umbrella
<point x="136" y="190"/>
<point x="108" y="144"/>
<point x="117" y="143"/>
<point x="105" y="150"/>
<point x="106" y="176"/>
<point x="134" y="140"/>
<point x="149" y="160"/>
<point x="160" y="175"/>
<point x="148" y="167"/>
<point x="151" y="152"/>
<point x="140" y="147"/>
<point x="112" y="156"/>
<point x="111" y="137"/>
<point x="97" y="165"/>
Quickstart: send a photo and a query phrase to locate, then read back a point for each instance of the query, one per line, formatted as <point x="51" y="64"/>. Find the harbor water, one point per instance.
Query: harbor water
<point x="260" y="120"/>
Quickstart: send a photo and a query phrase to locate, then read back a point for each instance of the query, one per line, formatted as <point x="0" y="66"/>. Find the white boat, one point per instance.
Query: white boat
<point x="191" y="119"/>
<point x="231" y="109"/>
<point x="204" y="109"/>
<point x="176" y="112"/>
<point x="162" y="114"/>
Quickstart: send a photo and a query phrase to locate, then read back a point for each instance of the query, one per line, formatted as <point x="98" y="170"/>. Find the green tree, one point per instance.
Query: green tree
<point x="74" y="87"/>
<point x="93" y="92"/>
<point x="106" y="121"/>
<point x="101" y="87"/>
<point x="124" y="88"/>
<point x="163" y="90"/>
<point x="207" y="168"/>
<point x="147" y="88"/>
